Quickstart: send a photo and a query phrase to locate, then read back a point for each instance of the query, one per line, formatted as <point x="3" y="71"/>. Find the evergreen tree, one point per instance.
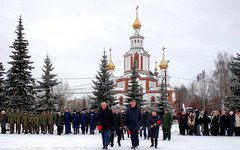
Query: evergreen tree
<point x="48" y="100"/>
<point x="134" y="89"/>
<point x="103" y="85"/>
<point x="2" y="98"/>
<point x="19" y="82"/>
<point x="235" y="87"/>
<point x="163" y="100"/>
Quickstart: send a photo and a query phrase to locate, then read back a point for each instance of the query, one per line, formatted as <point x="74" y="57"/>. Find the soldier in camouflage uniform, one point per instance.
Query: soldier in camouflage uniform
<point x="25" y="122"/>
<point x="51" y="119"/>
<point x="31" y="123"/>
<point x="44" y="122"/>
<point x="40" y="122"/>
<point x="37" y="123"/>
<point x="18" y="121"/>
<point x="11" y="120"/>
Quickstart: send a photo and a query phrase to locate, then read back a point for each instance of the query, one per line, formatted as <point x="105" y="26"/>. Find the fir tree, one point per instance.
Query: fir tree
<point x="134" y="89"/>
<point x="19" y="82"/>
<point x="163" y="100"/>
<point x="2" y="98"/>
<point x="103" y="85"/>
<point x="48" y="100"/>
<point x="235" y="87"/>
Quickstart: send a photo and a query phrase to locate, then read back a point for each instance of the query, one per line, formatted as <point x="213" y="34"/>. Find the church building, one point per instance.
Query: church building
<point x="150" y="82"/>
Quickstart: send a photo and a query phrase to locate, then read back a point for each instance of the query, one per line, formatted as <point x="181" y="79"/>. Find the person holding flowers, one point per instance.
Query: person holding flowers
<point x="153" y="122"/>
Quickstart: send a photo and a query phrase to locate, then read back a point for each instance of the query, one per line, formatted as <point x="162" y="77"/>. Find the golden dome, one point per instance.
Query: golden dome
<point x="163" y="64"/>
<point x="110" y="66"/>
<point x="137" y="24"/>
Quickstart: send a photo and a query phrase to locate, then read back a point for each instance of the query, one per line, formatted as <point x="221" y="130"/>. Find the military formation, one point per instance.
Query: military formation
<point x="35" y="123"/>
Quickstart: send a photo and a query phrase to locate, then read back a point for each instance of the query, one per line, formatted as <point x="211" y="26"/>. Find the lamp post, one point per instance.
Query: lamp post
<point x="166" y="81"/>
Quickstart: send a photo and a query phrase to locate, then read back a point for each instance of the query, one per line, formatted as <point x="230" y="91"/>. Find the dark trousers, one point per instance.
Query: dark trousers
<point x="18" y="127"/>
<point x="166" y="134"/>
<point x="144" y="130"/>
<point x="222" y="130"/>
<point x="83" y="130"/>
<point x="237" y="131"/>
<point x="3" y="130"/>
<point x="59" y="130"/>
<point x="134" y="138"/>
<point x="191" y="130"/>
<point x="119" y="135"/>
<point x="26" y="129"/>
<point x="67" y="128"/>
<point x="92" y="127"/>
<point x="11" y="128"/>
<point x="154" y="141"/>
<point x="87" y="127"/>
<point x="51" y="128"/>
<point x="37" y="129"/>
<point x="105" y="137"/>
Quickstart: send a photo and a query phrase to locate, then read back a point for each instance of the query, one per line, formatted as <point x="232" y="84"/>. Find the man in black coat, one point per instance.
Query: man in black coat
<point x="105" y="120"/>
<point x="183" y="122"/>
<point x="133" y="121"/>
<point x="4" y="120"/>
<point x="145" y="117"/>
<point x="59" y="123"/>
<point x="116" y="127"/>
<point x="223" y="123"/>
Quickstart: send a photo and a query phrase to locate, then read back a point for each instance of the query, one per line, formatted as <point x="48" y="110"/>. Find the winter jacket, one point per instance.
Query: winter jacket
<point x="37" y="121"/>
<point x="11" y="118"/>
<point x="67" y="118"/>
<point x="51" y="119"/>
<point x="105" y="118"/>
<point x="44" y="120"/>
<point x="59" y="121"/>
<point x="237" y="120"/>
<point x="154" y="131"/>
<point x="75" y="120"/>
<point x="18" y="118"/>
<point x="133" y="119"/>
<point x="3" y="120"/>
<point x="145" y="117"/>
<point x="167" y="121"/>
<point x="183" y="123"/>
<point x="25" y="119"/>
<point x="117" y="121"/>
<point x="205" y="120"/>
<point x="31" y="120"/>
<point x="92" y="119"/>
<point x="83" y="119"/>
<point x="231" y="121"/>
<point x="191" y="120"/>
<point x="214" y="128"/>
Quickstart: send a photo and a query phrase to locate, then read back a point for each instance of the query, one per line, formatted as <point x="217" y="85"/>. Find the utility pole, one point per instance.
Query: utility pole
<point x="201" y="78"/>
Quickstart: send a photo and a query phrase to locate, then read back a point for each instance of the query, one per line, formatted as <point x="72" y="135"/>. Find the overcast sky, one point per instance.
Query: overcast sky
<point x="75" y="32"/>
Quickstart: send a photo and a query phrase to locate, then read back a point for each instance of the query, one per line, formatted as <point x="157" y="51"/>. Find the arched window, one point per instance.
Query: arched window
<point x="153" y="101"/>
<point x="120" y="100"/>
<point x="136" y="60"/>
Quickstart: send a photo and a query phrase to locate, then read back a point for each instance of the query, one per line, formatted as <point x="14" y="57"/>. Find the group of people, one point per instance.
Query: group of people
<point x="44" y="122"/>
<point x="220" y="123"/>
<point x="133" y="121"/>
<point x="111" y="123"/>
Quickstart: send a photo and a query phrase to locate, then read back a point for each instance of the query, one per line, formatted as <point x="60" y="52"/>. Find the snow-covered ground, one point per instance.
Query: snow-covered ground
<point x="94" y="142"/>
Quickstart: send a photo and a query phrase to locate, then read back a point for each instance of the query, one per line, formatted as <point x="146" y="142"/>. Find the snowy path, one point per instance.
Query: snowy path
<point x="93" y="142"/>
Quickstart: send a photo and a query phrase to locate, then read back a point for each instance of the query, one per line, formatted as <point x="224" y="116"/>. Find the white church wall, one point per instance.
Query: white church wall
<point x="127" y="63"/>
<point x="145" y="63"/>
